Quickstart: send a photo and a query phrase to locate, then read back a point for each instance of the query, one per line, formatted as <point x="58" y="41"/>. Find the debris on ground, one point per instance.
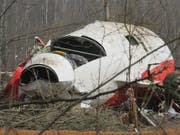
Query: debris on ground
<point x="36" y="117"/>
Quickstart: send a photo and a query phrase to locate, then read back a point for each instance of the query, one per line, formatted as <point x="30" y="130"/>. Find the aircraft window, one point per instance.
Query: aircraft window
<point x="83" y="46"/>
<point x="132" y="40"/>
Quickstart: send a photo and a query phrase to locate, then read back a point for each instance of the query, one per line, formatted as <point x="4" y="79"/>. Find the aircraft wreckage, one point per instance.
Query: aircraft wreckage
<point x="83" y="60"/>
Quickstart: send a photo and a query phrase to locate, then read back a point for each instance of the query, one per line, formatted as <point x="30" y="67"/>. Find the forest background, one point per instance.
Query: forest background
<point x="21" y="20"/>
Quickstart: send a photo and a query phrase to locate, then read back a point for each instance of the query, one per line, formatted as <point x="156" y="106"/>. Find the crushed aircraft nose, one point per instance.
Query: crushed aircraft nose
<point x="94" y="54"/>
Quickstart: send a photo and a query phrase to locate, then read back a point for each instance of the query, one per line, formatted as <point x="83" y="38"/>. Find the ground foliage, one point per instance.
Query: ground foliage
<point x="36" y="117"/>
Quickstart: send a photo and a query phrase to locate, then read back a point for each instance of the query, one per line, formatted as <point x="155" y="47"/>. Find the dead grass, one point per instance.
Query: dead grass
<point x="36" y="117"/>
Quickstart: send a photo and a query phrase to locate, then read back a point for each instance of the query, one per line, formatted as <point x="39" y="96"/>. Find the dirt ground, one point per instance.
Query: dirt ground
<point x="37" y="117"/>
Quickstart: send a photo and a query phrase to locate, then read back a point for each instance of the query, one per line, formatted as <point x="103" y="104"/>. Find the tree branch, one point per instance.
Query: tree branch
<point x="7" y="8"/>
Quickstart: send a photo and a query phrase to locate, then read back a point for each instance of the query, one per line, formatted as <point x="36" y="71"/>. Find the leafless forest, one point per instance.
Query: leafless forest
<point x="53" y="18"/>
<point x="21" y="20"/>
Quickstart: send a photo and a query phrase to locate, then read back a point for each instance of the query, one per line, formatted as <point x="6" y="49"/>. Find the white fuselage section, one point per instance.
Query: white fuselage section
<point x="116" y="39"/>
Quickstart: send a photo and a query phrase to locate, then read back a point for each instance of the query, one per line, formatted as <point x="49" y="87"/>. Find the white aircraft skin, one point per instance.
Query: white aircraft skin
<point x="114" y="40"/>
